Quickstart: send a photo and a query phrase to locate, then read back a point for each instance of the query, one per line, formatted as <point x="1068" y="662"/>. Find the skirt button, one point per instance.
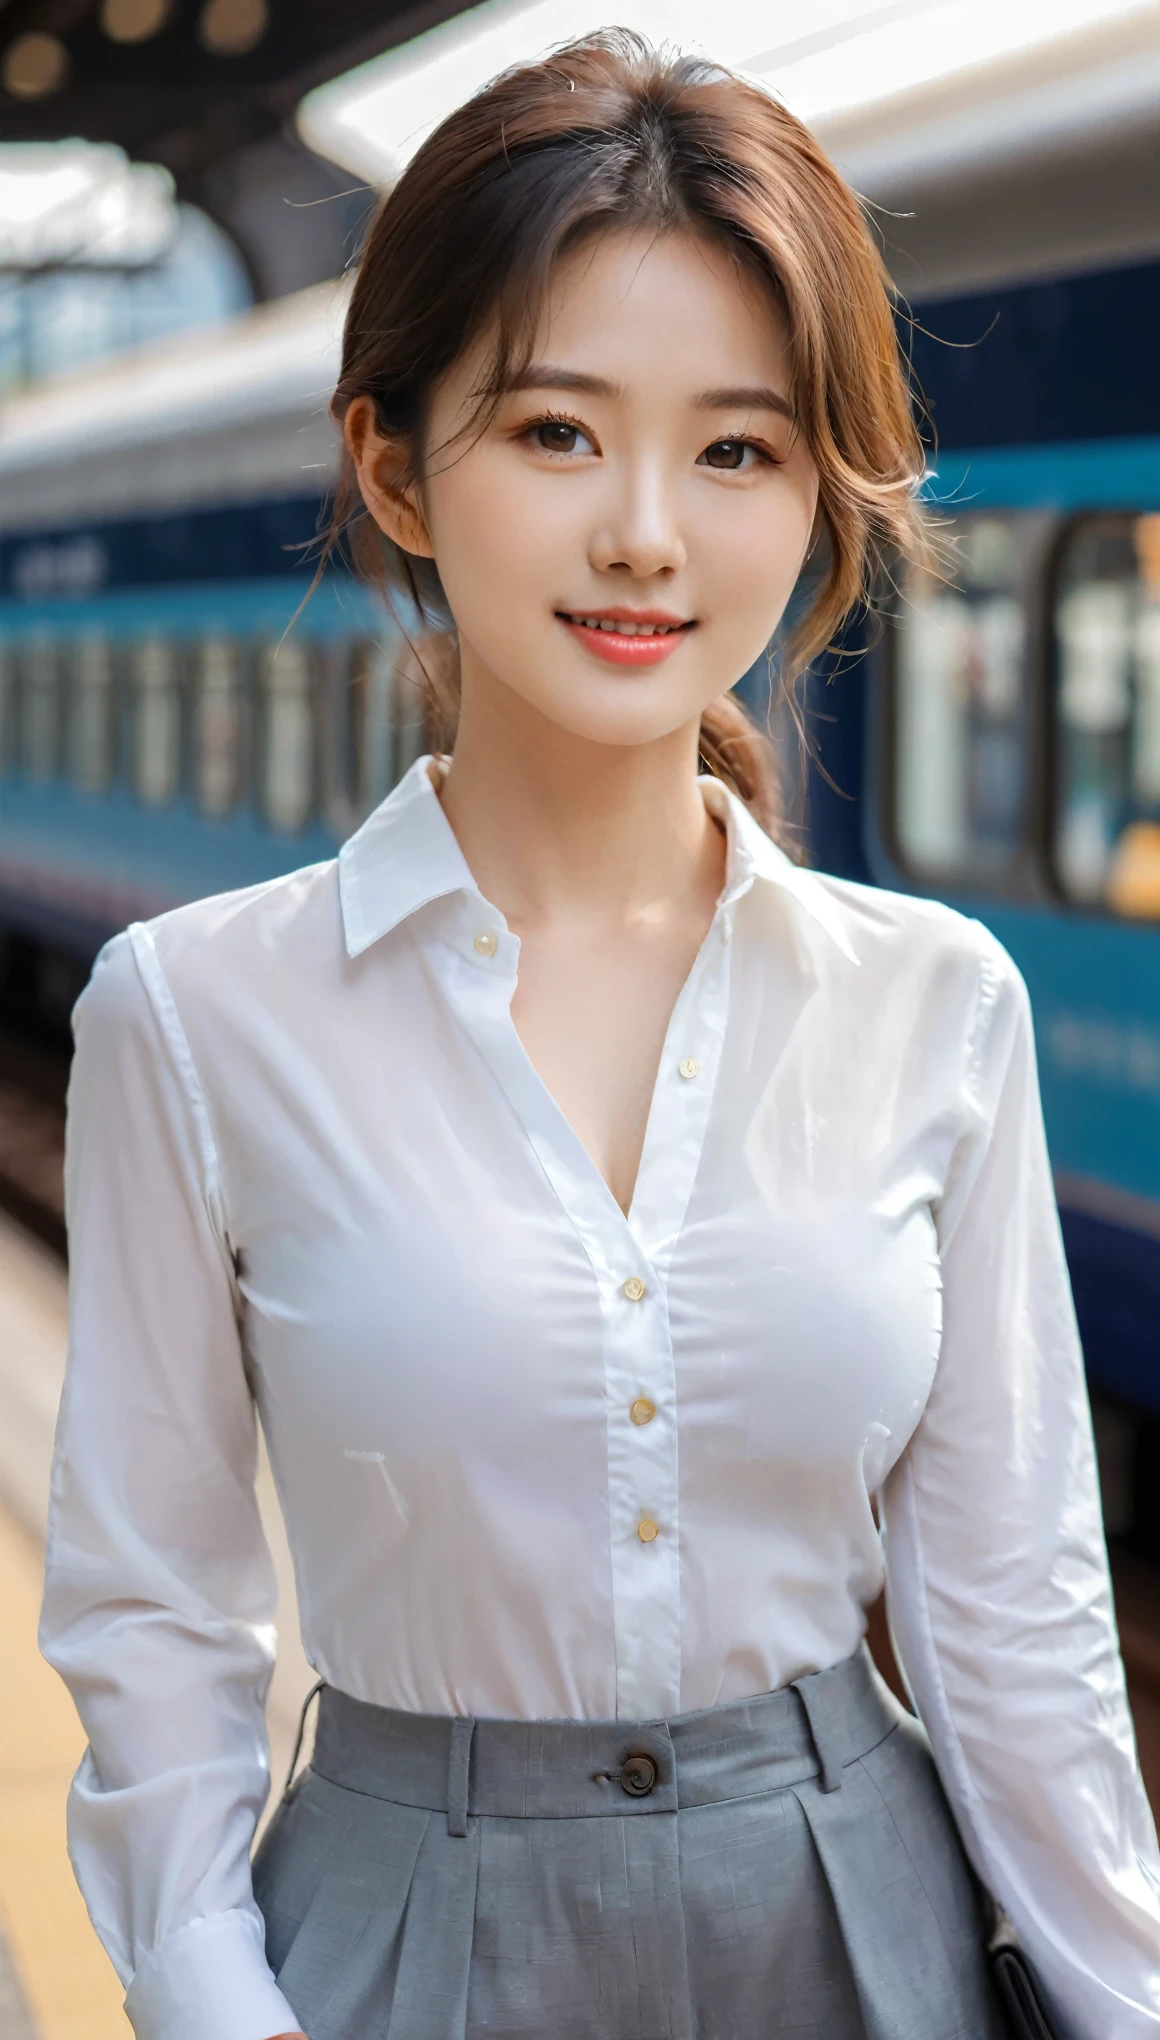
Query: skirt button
<point x="638" y="1775"/>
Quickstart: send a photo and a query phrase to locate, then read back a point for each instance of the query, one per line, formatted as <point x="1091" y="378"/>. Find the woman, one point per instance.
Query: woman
<point x="601" y="1212"/>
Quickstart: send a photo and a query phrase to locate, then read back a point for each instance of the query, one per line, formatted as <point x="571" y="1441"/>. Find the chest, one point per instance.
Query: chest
<point x="592" y="1014"/>
<point x="433" y="1266"/>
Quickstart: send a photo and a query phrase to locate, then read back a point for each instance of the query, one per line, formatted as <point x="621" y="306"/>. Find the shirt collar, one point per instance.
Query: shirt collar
<point x="405" y="855"/>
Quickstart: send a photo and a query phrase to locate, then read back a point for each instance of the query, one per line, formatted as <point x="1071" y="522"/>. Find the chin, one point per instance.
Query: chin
<point x="619" y="728"/>
<point x="623" y="705"/>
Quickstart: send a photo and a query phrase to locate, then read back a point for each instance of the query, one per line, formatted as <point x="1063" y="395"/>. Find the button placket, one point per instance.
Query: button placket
<point x="636" y="1353"/>
<point x="642" y="1488"/>
<point x="643" y="1474"/>
<point x="629" y="1259"/>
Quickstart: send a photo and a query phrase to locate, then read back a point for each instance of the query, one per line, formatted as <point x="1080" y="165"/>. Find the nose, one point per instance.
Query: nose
<point x="639" y="531"/>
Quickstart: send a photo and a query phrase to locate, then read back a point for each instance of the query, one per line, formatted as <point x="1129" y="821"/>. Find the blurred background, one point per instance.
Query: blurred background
<point x="184" y="185"/>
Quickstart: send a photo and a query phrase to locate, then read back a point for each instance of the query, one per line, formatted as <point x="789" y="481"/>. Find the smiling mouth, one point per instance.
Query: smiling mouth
<point x="626" y="626"/>
<point x="623" y="640"/>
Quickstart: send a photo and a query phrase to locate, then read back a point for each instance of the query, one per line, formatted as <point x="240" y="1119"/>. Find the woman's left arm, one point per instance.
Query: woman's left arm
<point x="997" y="1574"/>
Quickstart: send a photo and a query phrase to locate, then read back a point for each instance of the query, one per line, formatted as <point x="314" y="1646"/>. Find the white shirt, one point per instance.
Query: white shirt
<point x="310" y="1162"/>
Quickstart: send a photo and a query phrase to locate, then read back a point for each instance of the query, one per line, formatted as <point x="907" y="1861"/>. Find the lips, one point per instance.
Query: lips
<point x="627" y="637"/>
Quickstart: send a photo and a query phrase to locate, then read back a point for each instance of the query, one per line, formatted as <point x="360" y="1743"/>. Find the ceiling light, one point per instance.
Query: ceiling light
<point x="133" y="21"/>
<point x="35" y="65"/>
<point x="229" y="28"/>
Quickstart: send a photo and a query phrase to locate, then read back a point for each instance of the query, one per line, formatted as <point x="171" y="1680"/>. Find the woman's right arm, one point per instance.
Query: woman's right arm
<point x="159" y="1595"/>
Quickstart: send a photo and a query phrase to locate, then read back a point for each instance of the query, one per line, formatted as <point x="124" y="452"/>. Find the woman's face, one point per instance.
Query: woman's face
<point x="619" y="545"/>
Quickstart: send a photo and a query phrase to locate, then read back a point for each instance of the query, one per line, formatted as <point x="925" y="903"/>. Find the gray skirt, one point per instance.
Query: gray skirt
<point x="783" y="1865"/>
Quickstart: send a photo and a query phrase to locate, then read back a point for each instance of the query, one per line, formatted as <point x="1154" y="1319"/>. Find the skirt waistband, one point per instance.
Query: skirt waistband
<point x="572" y="1769"/>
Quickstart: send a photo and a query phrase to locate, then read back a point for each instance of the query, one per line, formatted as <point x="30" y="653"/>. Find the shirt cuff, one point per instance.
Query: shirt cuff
<point x="209" y="1981"/>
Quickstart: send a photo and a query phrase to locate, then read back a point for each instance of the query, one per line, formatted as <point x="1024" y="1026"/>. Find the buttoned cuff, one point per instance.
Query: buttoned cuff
<point x="209" y="1981"/>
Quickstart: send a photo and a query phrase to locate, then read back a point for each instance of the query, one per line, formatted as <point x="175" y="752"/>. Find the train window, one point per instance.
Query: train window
<point x="40" y="709"/>
<point x="373" y="698"/>
<point x="286" y="679"/>
<point x="1107" y="714"/>
<point x="217" y="744"/>
<point x="90" y="715"/>
<point x="379" y="725"/>
<point x="412" y="698"/>
<point x="360" y="730"/>
<point x="156" y="714"/>
<point x="960" y="768"/>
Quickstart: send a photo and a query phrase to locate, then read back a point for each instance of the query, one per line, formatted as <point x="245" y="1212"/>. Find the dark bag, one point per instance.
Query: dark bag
<point x="1015" y="1985"/>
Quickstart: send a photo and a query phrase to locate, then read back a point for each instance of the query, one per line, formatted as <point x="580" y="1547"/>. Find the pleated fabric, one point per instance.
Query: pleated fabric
<point x="792" y="1869"/>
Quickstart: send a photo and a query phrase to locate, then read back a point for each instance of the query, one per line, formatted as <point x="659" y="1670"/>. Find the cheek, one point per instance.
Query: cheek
<point x="751" y="548"/>
<point x="497" y="546"/>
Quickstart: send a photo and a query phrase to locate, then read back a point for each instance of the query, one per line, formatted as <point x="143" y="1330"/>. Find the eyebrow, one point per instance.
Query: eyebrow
<point x="548" y="377"/>
<point x="745" y="397"/>
<point x="748" y="397"/>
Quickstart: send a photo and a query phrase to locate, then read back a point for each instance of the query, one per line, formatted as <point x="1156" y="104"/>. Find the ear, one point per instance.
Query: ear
<point x="381" y="464"/>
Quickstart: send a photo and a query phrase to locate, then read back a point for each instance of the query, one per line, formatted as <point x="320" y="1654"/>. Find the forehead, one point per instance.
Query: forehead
<point x="675" y="304"/>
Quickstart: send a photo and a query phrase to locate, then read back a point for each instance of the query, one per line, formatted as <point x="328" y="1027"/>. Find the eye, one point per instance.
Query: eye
<point x="556" y="438"/>
<point x="730" y="454"/>
<point x="559" y="435"/>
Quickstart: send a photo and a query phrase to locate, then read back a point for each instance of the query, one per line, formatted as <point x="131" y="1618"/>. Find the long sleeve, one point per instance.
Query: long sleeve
<point x="159" y="1592"/>
<point x="997" y="1573"/>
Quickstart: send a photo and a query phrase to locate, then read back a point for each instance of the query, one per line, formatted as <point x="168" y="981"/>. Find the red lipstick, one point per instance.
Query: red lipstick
<point x="627" y="637"/>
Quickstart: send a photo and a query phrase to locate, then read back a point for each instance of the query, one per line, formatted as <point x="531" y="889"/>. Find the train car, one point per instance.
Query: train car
<point x="999" y="747"/>
<point x="176" y="717"/>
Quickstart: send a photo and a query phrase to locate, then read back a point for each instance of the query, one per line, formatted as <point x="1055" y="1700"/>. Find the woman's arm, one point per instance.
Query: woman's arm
<point x="159" y="1594"/>
<point x="997" y="1572"/>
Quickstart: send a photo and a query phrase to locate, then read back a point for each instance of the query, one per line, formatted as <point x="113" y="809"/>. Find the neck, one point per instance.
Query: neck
<point x="548" y="820"/>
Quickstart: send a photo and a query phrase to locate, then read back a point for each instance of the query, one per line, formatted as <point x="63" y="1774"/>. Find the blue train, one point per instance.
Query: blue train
<point x="170" y="726"/>
<point x="1002" y="742"/>
<point x="175" y="717"/>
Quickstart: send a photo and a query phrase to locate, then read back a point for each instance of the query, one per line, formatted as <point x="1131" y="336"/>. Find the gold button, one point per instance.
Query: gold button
<point x="690" y="1067"/>
<point x="486" y="945"/>
<point x="634" y="1289"/>
<point x="642" y="1411"/>
<point x="646" y="1530"/>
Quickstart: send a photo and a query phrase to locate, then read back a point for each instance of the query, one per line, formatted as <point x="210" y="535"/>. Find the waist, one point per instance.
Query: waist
<point x="570" y="1769"/>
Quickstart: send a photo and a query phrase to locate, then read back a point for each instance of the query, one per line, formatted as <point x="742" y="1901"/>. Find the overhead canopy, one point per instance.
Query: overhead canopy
<point x="998" y="138"/>
<point x="208" y="88"/>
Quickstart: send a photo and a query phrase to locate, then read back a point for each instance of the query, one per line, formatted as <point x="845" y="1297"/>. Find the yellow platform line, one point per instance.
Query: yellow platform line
<point x="69" y="1985"/>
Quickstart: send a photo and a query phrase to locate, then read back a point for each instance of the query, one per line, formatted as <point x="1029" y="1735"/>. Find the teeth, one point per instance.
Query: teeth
<point x="624" y="627"/>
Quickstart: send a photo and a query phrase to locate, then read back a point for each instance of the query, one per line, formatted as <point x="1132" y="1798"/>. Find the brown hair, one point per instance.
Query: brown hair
<point x="609" y="134"/>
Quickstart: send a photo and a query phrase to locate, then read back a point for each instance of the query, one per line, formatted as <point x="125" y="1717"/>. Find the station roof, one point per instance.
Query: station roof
<point x="209" y="89"/>
<point x="183" y="82"/>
